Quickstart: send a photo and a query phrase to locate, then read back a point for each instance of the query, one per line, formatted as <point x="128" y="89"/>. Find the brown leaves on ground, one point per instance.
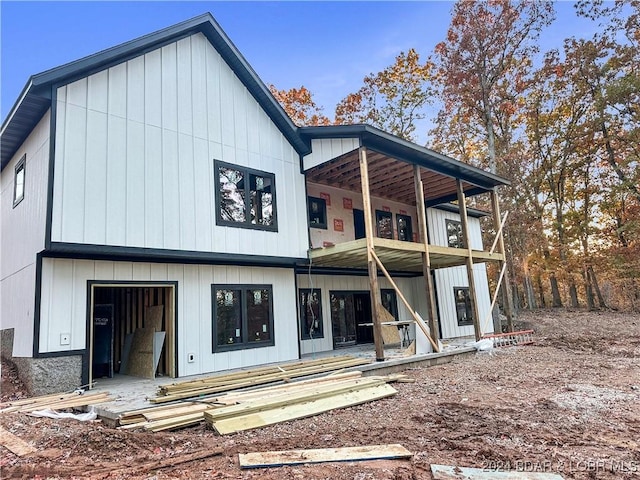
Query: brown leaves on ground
<point x="567" y="404"/>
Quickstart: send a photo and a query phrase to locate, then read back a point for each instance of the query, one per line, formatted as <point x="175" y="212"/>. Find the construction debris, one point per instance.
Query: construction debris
<point x="57" y="401"/>
<point x="319" y="455"/>
<point x="250" y="378"/>
<point x="510" y="339"/>
<point x="233" y="411"/>
<point x="14" y="444"/>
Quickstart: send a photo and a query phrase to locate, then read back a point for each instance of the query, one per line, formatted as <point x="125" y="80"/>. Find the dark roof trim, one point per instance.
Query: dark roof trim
<point x="35" y="97"/>
<point x="404" y="150"/>
<point x="155" y="255"/>
<point x="471" y="212"/>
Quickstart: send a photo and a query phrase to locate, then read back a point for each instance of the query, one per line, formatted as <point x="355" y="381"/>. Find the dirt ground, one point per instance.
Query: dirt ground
<point x="569" y="404"/>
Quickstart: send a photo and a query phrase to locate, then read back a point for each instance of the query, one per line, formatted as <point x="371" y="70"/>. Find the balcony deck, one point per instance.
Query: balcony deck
<point x="395" y="255"/>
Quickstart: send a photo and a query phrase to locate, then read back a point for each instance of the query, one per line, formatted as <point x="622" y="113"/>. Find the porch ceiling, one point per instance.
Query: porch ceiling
<point x="388" y="178"/>
<point x="395" y="255"/>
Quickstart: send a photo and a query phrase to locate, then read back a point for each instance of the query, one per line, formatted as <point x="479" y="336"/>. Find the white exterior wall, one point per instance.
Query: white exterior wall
<point x="325" y="149"/>
<point x="64" y="308"/>
<point x="22" y="236"/>
<point x="448" y="278"/>
<point x="328" y="283"/>
<point x="135" y="146"/>
<point x="337" y="211"/>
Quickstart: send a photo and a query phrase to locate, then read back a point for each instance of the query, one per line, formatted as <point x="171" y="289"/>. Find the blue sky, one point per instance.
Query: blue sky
<point x="327" y="46"/>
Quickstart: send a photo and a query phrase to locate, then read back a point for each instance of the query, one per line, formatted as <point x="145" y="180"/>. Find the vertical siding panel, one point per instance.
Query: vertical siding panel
<point x="203" y="213"/>
<point x="185" y="115"/>
<point x="96" y="179"/>
<point x="240" y="108"/>
<point x="135" y="89"/>
<point x="227" y="113"/>
<point x="46" y="296"/>
<point x="153" y="212"/>
<point x="117" y="92"/>
<point x="171" y="190"/>
<point x="59" y="159"/>
<point x="82" y="270"/>
<point x="206" y="360"/>
<point x="122" y="271"/>
<point x="158" y="271"/>
<point x="253" y="129"/>
<point x="169" y="88"/>
<point x="77" y="93"/>
<point x="199" y="85"/>
<point x="97" y="98"/>
<point x="214" y="116"/>
<point x="153" y="88"/>
<point x="104" y="270"/>
<point x="73" y="182"/>
<point x="60" y="307"/>
<point x="142" y="271"/>
<point x="116" y="208"/>
<point x="135" y="184"/>
<point x="187" y="193"/>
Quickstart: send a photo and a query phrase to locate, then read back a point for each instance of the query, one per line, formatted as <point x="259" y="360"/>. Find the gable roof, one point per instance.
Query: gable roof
<point x="35" y="98"/>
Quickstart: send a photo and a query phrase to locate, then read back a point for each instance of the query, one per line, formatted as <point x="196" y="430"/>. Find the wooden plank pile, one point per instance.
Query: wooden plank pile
<point x="56" y="401"/>
<point x="251" y="378"/>
<point x="236" y="411"/>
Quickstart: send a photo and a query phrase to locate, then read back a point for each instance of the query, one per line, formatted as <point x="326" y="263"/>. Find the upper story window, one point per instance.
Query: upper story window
<point x="405" y="232"/>
<point x="454" y="234"/>
<point x="18" y="181"/>
<point x="245" y="197"/>
<point x="384" y="224"/>
<point x="317" y="213"/>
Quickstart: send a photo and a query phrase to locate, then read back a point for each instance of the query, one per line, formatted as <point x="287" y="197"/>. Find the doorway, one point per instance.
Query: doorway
<point x="131" y="330"/>
<point x="351" y="319"/>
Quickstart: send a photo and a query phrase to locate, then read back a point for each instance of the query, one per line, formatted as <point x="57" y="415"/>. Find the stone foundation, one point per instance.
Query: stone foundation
<point x="44" y="375"/>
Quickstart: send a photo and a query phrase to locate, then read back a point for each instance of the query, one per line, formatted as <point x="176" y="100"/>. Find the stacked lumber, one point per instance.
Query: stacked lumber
<point x="235" y="403"/>
<point x="56" y="401"/>
<point x="253" y="377"/>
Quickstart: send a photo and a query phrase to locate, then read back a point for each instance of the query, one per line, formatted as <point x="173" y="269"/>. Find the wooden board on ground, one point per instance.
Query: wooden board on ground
<point x="300" y="410"/>
<point x="319" y="455"/>
<point x="140" y="362"/>
<point x="15" y="444"/>
<point x="448" y="472"/>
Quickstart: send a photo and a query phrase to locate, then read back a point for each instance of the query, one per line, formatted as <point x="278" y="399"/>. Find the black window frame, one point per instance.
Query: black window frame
<point x="322" y="203"/>
<point x="468" y="309"/>
<point x="460" y="237"/>
<point x="247" y="172"/>
<point x="304" y="332"/>
<point x="21" y="166"/>
<point x="408" y="220"/>
<point x="245" y="344"/>
<point x="379" y="215"/>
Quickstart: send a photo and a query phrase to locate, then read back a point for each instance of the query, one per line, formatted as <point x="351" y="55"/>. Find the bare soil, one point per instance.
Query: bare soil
<point x="568" y="404"/>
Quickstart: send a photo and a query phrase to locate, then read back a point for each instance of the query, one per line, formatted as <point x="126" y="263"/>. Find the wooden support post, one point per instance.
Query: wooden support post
<point x="506" y="284"/>
<point x="466" y="238"/>
<point x="376" y="299"/>
<point x="432" y="314"/>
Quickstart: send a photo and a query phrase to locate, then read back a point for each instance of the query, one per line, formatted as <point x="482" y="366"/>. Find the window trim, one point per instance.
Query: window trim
<point x="379" y="215"/>
<point x="247" y="198"/>
<point x="323" y="203"/>
<point x="304" y="336"/>
<point x="409" y="220"/>
<point x="20" y="166"/>
<point x="458" y="223"/>
<point x="468" y="308"/>
<point x="245" y="344"/>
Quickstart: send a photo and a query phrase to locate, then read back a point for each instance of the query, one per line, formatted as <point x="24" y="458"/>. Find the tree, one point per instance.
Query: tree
<point x="393" y="99"/>
<point x="300" y="106"/>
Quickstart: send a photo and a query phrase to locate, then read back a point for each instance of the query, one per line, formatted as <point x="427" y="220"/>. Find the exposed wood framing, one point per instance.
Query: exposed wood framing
<point x="506" y="284"/>
<point x="466" y="238"/>
<point x="426" y="260"/>
<point x="376" y="300"/>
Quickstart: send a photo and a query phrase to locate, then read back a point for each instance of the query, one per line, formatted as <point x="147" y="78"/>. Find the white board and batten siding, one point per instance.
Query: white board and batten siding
<point x="135" y="146"/>
<point x="449" y="278"/>
<point x="64" y="308"/>
<point x="325" y="149"/>
<point x="328" y="283"/>
<point x="22" y="235"/>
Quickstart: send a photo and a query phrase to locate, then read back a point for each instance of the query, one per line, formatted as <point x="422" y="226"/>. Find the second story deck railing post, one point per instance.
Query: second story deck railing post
<point x="376" y="299"/>
<point x="466" y="238"/>
<point x="426" y="261"/>
<point x="506" y="284"/>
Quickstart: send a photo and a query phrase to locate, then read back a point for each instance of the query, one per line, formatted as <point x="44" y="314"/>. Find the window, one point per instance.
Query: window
<point x="454" y="234"/>
<point x="384" y="224"/>
<point x="405" y="232"/>
<point x="18" y="181"/>
<point x="310" y="302"/>
<point x="246" y="198"/>
<point x="317" y="213"/>
<point x="464" y="312"/>
<point x="390" y="301"/>
<point x="242" y="316"/>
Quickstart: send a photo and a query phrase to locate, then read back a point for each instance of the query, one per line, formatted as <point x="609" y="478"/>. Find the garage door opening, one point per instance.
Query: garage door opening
<point x="132" y="330"/>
